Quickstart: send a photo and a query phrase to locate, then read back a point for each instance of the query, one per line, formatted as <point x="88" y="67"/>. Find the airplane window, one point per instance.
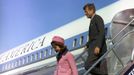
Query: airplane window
<point x="16" y="64"/>
<point x="19" y="62"/>
<point x="13" y="65"/>
<point x="33" y="57"/>
<point x="45" y="52"/>
<point x="28" y="59"/>
<point x="81" y="40"/>
<point x="74" y="42"/>
<point x="41" y="53"/>
<point x="24" y="60"/>
<point x="9" y="66"/>
<point x="4" y="67"/>
<point x="50" y="52"/>
<point x="37" y="56"/>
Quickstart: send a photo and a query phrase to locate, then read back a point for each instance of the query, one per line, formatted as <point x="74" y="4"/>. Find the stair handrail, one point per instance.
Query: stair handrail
<point x="103" y="56"/>
<point x="132" y="57"/>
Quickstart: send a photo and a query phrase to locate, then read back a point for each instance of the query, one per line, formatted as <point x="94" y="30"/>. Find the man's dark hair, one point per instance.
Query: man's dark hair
<point x="90" y="6"/>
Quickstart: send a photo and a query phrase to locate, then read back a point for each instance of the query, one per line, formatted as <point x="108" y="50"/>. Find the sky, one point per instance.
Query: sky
<point x="24" y="20"/>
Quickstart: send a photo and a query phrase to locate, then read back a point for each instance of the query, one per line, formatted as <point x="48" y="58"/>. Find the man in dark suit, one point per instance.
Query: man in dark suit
<point x="96" y="44"/>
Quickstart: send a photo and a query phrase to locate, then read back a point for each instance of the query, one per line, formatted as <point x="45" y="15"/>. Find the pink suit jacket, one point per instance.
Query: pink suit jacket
<point x="66" y="65"/>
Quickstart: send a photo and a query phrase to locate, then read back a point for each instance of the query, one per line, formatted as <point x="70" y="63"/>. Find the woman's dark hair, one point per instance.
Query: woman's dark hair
<point x="58" y="44"/>
<point x="90" y="7"/>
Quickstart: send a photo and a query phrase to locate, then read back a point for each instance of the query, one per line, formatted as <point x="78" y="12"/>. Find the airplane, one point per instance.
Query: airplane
<point x="36" y="55"/>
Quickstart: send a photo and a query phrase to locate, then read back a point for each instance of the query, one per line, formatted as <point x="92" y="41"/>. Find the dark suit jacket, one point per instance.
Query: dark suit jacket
<point x="97" y="35"/>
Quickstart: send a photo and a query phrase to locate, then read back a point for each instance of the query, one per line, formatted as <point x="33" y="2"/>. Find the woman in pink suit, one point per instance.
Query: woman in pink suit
<point x="65" y="61"/>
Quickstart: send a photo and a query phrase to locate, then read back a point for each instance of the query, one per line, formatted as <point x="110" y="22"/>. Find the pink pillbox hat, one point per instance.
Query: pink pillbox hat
<point x="58" y="40"/>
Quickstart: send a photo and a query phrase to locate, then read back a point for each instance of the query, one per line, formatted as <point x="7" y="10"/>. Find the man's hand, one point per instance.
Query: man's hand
<point x="97" y="50"/>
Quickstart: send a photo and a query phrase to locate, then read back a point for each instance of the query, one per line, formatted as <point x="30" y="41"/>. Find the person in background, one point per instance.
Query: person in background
<point x="96" y="44"/>
<point x="65" y="61"/>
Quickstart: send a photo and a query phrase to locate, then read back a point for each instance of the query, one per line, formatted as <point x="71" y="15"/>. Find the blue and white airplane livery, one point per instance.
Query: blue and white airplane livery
<point x="38" y="53"/>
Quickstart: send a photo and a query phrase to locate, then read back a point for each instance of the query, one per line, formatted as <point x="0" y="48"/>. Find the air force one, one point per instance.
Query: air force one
<point x="37" y="57"/>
